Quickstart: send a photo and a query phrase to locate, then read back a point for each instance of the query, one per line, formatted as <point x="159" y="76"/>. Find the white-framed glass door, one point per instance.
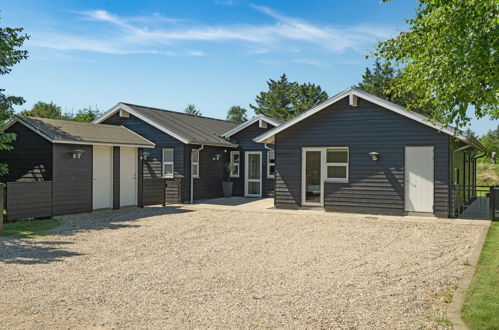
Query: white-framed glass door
<point x="313" y="176"/>
<point x="253" y="174"/>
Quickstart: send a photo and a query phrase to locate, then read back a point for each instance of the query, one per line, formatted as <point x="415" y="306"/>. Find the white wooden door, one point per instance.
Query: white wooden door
<point x="419" y="179"/>
<point x="253" y="174"/>
<point x="128" y="176"/>
<point x="102" y="177"/>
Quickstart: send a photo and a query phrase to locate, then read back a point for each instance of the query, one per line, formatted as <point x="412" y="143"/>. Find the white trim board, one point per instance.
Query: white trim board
<point x="268" y="137"/>
<point x="248" y="123"/>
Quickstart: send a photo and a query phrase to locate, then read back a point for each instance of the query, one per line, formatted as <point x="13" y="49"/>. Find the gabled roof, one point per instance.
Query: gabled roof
<point x="271" y="120"/>
<point x="72" y="132"/>
<point x="186" y="128"/>
<point x="268" y="137"/>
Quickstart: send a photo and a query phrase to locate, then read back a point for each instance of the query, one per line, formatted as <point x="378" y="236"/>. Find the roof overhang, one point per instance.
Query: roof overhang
<point x="250" y="122"/>
<point x="269" y="137"/>
<point x="96" y="143"/>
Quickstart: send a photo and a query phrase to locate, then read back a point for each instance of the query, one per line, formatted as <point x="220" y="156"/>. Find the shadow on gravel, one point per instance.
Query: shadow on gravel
<point x="111" y="219"/>
<point x="15" y="250"/>
<point x="30" y="251"/>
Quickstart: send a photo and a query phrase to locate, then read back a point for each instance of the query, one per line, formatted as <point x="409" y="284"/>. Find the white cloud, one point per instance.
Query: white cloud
<point x="141" y="35"/>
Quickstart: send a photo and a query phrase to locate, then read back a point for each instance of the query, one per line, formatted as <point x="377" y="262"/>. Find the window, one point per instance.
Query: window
<point x="337" y="164"/>
<point x="168" y="163"/>
<point x="270" y="164"/>
<point x="195" y="163"/>
<point x="235" y="159"/>
<point x="457" y="176"/>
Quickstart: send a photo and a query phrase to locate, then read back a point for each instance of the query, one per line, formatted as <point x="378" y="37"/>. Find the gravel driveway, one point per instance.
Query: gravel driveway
<point x="178" y="268"/>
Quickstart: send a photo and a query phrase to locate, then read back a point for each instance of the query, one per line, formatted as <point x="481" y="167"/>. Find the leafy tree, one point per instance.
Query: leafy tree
<point x="491" y="142"/>
<point x="382" y="81"/>
<point x="45" y="110"/>
<point x="192" y="110"/>
<point x="86" y="115"/>
<point x="11" y="40"/>
<point x="237" y="114"/>
<point x="285" y="99"/>
<point x="449" y="54"/>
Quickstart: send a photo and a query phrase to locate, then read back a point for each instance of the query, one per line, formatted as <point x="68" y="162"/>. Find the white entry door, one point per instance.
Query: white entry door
<point x="419" y="179"/>
<point x="253" y="174"/>
<point x="102" y="177"/>
<point x="128" y="176"/>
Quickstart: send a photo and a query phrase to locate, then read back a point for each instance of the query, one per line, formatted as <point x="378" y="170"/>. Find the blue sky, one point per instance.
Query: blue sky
<point x="212" y="53"/>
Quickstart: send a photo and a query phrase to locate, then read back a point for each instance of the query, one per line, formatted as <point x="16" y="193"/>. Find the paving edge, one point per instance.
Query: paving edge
<point x="456" y="305"/>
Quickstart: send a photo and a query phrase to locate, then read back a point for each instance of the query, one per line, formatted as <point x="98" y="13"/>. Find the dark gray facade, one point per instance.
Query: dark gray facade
<point x="244" y="139"/>
<point x="374" y="186"/>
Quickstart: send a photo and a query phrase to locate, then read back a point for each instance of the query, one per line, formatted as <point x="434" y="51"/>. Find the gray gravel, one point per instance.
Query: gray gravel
<point x="174" y="268"/>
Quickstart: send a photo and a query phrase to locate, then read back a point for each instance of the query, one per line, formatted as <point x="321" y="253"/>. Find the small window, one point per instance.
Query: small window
<point x="457" y="176"/>
<point x="168" y="169"/>
<point x="271" y="164"/>
<point x="236" y="160"/>
<point x="195" y="163"/>
<point x="337" y="164"/>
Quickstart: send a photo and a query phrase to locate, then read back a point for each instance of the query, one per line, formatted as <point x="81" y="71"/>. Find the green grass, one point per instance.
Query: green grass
<point x="481" y="308"/>
<point x="28" y="228"/>
<point x="487" y="174"/>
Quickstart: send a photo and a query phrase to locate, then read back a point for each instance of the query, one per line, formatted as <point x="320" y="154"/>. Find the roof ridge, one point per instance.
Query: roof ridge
<point x="176" y="112"/>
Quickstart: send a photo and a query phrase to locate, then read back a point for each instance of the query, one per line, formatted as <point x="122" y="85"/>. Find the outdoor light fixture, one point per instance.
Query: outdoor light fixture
<point x="374" y="155"/>
<point x="76" y="153"/>
<point x="144" y="155"/>
<point x="217" y="157"/>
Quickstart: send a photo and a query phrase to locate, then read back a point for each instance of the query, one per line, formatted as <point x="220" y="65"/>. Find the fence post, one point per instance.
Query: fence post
<point x="2" y="203"/>
<point x="492" y="202"/>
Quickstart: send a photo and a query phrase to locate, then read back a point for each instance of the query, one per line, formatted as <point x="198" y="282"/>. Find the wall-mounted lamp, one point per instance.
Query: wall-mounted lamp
<point x="76" y="153"/>
<point x="143" y="155"/>
<point x="374" y="155"/>
<point x="217" y="157"/>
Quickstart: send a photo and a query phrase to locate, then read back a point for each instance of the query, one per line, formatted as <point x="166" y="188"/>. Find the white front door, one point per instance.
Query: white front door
<point x="253" y="174"/>
<point x="419" y="179"/>
<point x="102" y="177"/>
<point x="128" y="176"/>
<point x="312" y="176"/>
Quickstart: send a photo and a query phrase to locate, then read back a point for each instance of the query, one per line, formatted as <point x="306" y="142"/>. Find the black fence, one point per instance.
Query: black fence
<point x="474" y="202"/>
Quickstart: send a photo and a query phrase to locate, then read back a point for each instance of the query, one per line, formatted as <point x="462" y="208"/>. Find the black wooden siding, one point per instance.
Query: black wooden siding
<point x="152" y="166"/>
<point x="244" y="139"/>
<point x="72" y="182"/>
<point x="27" y="200"/>
<point x="374" y="187"/>
<point x="116" y="178"/>
<point x="31" y="158"/>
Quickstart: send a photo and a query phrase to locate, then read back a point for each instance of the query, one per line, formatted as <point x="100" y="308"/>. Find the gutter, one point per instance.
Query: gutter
<point x="192" y="177"/>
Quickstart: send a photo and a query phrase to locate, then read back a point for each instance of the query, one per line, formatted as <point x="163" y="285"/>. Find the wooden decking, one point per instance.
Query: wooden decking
<point x="478" y="209"/>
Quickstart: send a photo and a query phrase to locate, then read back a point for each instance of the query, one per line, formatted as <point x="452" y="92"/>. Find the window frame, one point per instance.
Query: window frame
<point x="238" y="164"/>
<point x="195" y="151"/>
<point x="163" y="163"/>
<point x="269" y="164"/>
<point x="346" y="165"/>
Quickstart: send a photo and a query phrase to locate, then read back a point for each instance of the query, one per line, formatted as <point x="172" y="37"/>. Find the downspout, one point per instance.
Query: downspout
<point x="267" y="147"/>
<point x="192" y="177"/>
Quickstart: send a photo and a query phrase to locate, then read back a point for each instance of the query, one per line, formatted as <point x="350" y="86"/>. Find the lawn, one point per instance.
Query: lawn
<point x="481" y="309"/>
<point x="487" y="174"/>
<point x="28" y="228"/>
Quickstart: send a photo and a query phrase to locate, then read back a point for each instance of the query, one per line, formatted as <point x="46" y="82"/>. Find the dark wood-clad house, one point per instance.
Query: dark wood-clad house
<point x="356" y="152"/>
<point x="63" y="167"/>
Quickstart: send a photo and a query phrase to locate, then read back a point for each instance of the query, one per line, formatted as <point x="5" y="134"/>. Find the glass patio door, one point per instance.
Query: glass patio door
<point x="253" y="174"/>
<point x="312" y="177"/>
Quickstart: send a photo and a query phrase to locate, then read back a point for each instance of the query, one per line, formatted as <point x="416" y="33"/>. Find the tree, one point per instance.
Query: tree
<point x="449" y="56"/>
<point x="285" y="99"/>
<point x="86" y="115"/>
<point x="45" y="110"/>
<point x="11" y="40"/>
<point x="491" y="142"/>
<point x="382" y="81"/>
<point x="192" y="110"/>
<point x="237" y="114"/>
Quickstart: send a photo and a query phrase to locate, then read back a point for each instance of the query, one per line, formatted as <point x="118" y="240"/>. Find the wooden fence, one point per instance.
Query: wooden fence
<point x="29" y="200"/>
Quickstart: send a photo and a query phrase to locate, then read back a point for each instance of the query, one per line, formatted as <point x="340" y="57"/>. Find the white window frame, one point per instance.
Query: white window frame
<point x="337" y="180"/>
<point x="194" y="151"/>
<point x="163" y="163"/>
<point x="269" y="164"/>
<point x="238" y="164"/>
